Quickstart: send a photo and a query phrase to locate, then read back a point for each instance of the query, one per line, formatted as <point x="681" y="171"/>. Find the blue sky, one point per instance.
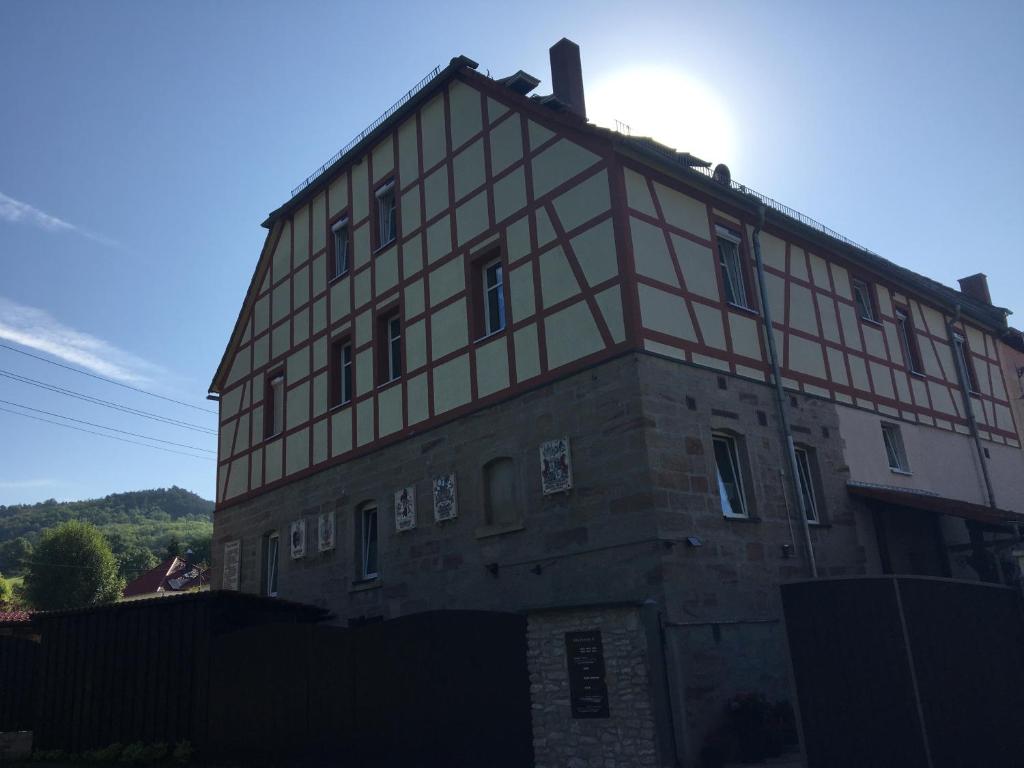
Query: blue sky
<point x="142" y="144"/>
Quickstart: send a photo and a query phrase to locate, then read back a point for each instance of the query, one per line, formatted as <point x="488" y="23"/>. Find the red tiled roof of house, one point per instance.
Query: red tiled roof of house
<point x="15" y="617"/>
<point x="172" y="575"/>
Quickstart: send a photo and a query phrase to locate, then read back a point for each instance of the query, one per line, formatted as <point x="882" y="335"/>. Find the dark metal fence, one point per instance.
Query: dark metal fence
<point x="907" y="672"/>
<point x="18" y="657"/>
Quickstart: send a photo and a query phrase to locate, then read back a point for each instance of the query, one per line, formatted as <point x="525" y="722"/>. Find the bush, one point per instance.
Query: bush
<point x="183" y="752"/>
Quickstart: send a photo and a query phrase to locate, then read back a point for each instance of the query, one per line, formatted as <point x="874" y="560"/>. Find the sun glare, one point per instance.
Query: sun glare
<point x="669" y="106"/>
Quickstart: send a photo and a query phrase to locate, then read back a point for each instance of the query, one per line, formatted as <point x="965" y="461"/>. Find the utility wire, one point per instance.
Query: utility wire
<point x="103" y="426"/>
<point x="104" y="378"/>
<point x="107" y="403"/>
<point x="101" y="434"/>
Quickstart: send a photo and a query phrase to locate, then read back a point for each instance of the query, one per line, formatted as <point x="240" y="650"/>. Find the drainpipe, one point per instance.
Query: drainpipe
<point x="780" y="397"/>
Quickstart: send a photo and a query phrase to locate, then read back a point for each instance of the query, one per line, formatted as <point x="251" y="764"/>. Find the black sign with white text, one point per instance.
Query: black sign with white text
<point x="587" y="690"/>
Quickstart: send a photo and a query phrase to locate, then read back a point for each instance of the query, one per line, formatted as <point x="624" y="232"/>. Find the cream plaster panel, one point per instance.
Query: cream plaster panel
<point x="750" y="373"/>
<point x="256" y="469"/>
<point x="571" y="334"/>
<point x="934" y="321"/>
<point x="998" y="388"/>
<point x="776" y="290"/>
<point x="517" y="239"/>
<point x="364" y="421"/>
<point x="874" y="341"/>
<point x="298" y="364"/>
<point x="297" y="454"/>
<point x="665" y="312"/>
<point x="710" y="321"/>
<point x="638" y="195"/>
<point x="538" y="134"/>
<point x="893" y="343"/>
<point x="797" y="263"/>
<point x="341" y="431"/>
<point x="364" y="371"/>
<point x="841" y="281"/>
<point x="882" y="379"/>
<point x="320" y="441"/>
<point x="272" y="451"/>
<point x="435" y="192"/>
<point x="386" y="265"/>
<point x="492" y="366"/>
<point x="928" y="358"/>
<point x="664" y="349"/>
<point x="296" y="407"/>
<point x="698" y="267"/>
<point x="506" y="144"/>
<point x="801" y="310"/>
<point x="859" y="373"/>
<point x="408" y="156"/>
<point x="559" y="163"/>
<point x="282" y="260"/>
<point x="495" y="109"/>
<point x="300" y="326"/>
<point x="819" y="272"/>
<point x="257" y="421"/>
<point x="468" y="169"/>
<point x="920" y="391"/>
<point x="318" y="211"/>
<point x="884" y="301"/>
<point x="319" y="315"/>
<point x="280" y="339"/>
<point x="439" y="239"/>
<point x="545" y="231"/>
<point x="595" y="251"/>
<point x="411" y="210"/>
<point x="945" y="356"/>
<point x="448" y="329"/>
<point x="238" y="479"/>
<point x="583" y="202"/>
<point x="383" y="158"/>
<point x="364" y="327"/>
<point x="829" y="323"/>
<point x="414" y="301"/>
<point x="389" y="403"/>
<point x="521" y="290"/>
<point x="850" y="324"/>
<point x="230" y="401"/>
<point x="557" y="280"/>
<point x="464" y="102"/>
<point x="320" y="394"/>
<point x="942" y="400"/>
<point x="301" y="281"/>
<point x="412" y="257"/>
<point x="837" y="366"/>
<point x="364" y="286"/>
<point x="1004" y="419"/>
<point x="745" y="334"/>
<point x="432" y="127"/>
<point x="341" y="303"/>
<point x="416" y="345"/>
<point x="360" y="192"/>
<point x="683" y="212"/>
<point x="447" y="280"/>
<point x="417" y="401"/>
<point x="338" y="195"/>
<point x="319" y="274"/>
<point x="261" y="312"/>
<point x="281" y="303"/>
<point x="471" y="217"/>
<point x="451" y="384"/>
<point x="805" y="356"/>
<point x="650" y="253"/>
<point x="609" y="301"/>
<point x="361" y="246"/>
<point x="773" y="251"/>
<point x="709" y="362"/>
<point x="227" y="439"/>
<point x="261" y="351"/>
<point x="509" y="194"/>
<point x="527" y="352"/>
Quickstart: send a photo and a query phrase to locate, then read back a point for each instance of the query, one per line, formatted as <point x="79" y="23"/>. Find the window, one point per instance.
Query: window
<point x="862" y="298"/>
<point x="390" y="347"/>
<point x="271" y="549"/>
<point x="908" y="341"/>
<point x="494" y="297"/>
<point x="805" y="469"/>
<point x="386" y="223"/>
<point x="731" y="264"/>
<point x="273" y="410"/>
<point x="368" y="564"/>
<point x="963" y="356"/>
<point x="894" y="449"/>
<point x="341" y="372"/>
<point x="500" y="492"/>
<point x="339" y="242"/>
<point x="730" y="476"/>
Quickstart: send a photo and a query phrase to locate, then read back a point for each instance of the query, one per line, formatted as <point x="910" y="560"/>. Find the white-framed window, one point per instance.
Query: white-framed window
<point x="862" y="298"/>
<point x="730" y="476"/>
<point x="494" y="297"/>
<point x="369" y="567"/>
<point x="274" y="409"/>
<point x="805" y="470"/>
<point x="340" y="240"/>
<point x="964" y="358"/>
<point x="386" y="214"/>
<point x="271" y="549"/>
<point x="345" y="371"/>
<point x="391" y="348"/>
<point x="907" y="340"/>
<point x="894" y="450"/>
<point x="730" y="262"/>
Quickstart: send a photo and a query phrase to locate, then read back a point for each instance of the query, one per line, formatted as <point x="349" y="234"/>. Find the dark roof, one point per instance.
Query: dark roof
<point x="14" y="617"/>
<point x="172" y="575"/>
<point x="933" y="502"/>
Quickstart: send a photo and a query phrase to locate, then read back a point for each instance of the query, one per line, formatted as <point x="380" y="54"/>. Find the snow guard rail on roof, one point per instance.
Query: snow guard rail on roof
<point x="368" y="130"/>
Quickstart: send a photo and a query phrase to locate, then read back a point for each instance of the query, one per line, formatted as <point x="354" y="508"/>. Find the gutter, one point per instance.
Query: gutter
<point x="780" y="398"/>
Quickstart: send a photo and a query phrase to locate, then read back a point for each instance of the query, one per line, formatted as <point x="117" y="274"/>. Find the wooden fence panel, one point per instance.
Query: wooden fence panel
<point x="19" y="657"/>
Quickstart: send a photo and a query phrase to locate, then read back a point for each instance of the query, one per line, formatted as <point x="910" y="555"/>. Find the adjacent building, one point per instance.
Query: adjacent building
<point x="495" y="357"/>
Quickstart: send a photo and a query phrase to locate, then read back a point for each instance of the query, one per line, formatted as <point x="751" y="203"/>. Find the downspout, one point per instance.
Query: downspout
<point x="780" y="398"/>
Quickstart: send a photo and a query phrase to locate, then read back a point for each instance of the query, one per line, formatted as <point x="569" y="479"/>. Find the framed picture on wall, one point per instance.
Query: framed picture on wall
<point x="405" y="509"/>
<point x="325" y="531"/>
<point x="446" y="502"/>
<point x="555" y="466"/>
<point x="297" y="539"/>
<point x="232" y="563"/>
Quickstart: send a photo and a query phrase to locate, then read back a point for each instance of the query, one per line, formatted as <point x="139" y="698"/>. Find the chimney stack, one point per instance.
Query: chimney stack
<point x="976" y="286"/>
<point x="567" y="76"/>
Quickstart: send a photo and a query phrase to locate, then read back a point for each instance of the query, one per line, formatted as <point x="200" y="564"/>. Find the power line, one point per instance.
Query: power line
<point x="101" y="434"/>
<point x="103" y="426"/>
<point x="107" y="403"/>
<point x="104" y="378"/>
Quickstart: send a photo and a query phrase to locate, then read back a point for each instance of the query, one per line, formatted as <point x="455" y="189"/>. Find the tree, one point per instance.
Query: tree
<point x="6" y="592"/>
<point x="134" y="560"/>
<point x="14" y="554"/>
<point x="71" y="567"/>
<point x="174" y="547"/>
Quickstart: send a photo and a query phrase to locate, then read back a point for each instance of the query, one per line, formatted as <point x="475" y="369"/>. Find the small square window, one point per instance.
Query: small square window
<point x="340" y="247"/>
<point x="387" y="225"/>
<point x="908" y="340"/>
<point x="862" y="298"/>
<point x="805" y="465"/>
<point x="730" y="261"/>
<point x="730" y="476"/>
<point x="963" y="356"/>
<point x="273" y="406"/>
<point x="894" y="450"/>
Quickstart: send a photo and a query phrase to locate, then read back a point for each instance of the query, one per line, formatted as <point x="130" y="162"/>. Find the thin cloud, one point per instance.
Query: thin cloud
<point x="8" y="485"/>
<point x="37" y="329"/>
<point x="17" y="212"/>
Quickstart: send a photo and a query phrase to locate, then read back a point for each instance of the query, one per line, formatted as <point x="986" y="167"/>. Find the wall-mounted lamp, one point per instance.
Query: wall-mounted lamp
<point x="694" y="541"/>
<point x="787" y="551"/>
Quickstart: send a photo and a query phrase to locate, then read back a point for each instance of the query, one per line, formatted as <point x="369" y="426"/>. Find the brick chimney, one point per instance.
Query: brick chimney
<point x="567" y="76"/>
<point x="976" y="286"/>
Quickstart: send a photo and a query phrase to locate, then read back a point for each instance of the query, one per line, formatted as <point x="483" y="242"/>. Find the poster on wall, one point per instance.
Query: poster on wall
<point x="555" y="466"/>
<point x="298" y="539"/>
<point x="232" y="563"/>
<point x="446" y="503"/>
<point x="325" y="531"/>
<point x="588" y="692"/>
<point x="405" y="509"/>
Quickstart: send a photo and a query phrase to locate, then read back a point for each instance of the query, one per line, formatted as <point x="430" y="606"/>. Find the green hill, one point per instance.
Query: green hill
<point x="133" y="522"/>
